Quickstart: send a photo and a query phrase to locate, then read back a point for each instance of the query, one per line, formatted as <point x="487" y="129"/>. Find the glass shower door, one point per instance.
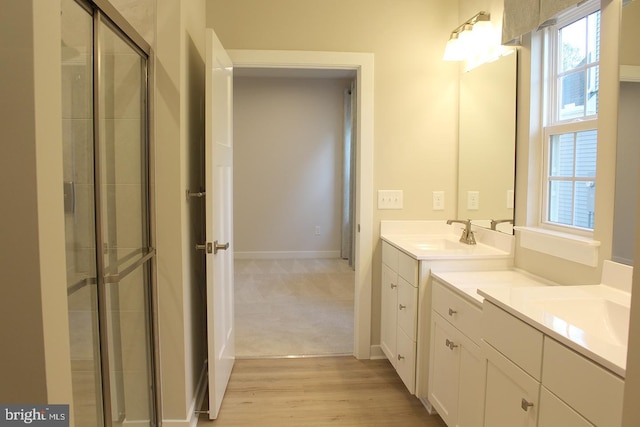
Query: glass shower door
<point x="123" y="218"/>
<point x="108" y="238"/>
<point x="77" y="124"/>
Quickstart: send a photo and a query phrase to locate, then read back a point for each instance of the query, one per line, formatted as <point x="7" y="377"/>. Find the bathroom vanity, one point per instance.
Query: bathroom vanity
<point x="545" y="355"/>
<point x="410" y="250"/>
<point x="457" y="377"/>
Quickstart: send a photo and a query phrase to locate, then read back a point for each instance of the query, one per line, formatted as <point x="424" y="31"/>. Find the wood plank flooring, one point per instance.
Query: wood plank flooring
<point x="318" y="391"/>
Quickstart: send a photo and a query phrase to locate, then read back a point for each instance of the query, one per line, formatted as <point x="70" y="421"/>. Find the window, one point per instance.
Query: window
<point x="571" y="118"/>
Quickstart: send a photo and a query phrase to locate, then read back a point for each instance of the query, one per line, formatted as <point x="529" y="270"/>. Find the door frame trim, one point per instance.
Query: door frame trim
<point x="363" y="64"/>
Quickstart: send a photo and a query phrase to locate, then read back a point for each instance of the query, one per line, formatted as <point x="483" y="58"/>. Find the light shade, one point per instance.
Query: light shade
<point x="454" y="51"/>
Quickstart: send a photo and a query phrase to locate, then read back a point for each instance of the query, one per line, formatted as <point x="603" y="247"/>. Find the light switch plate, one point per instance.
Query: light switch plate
<point x="473" y="200"/>
<point x="389" y="199"/>
<point x="510" y="199"/>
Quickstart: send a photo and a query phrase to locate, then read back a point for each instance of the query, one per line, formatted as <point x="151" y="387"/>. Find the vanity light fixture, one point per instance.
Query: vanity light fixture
<point x="464" y="41"/>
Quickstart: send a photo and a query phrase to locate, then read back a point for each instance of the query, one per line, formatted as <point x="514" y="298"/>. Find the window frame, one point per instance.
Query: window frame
<point x="551" y="124"/>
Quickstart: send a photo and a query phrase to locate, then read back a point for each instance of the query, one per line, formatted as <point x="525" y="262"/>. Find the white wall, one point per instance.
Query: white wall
<point x="179" y="135"/>
<point x="288" y="136"/>
<point x="34" y="361"/>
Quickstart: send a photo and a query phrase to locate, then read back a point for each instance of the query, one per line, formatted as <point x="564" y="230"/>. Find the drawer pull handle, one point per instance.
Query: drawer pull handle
<point x="450" y="344"/>
<point x="400" y="357"/>
<point x="402" y="307"/>
<point x="526" y="405"/>
<point x="393" y="286"/>
<point x="452" y="312"/>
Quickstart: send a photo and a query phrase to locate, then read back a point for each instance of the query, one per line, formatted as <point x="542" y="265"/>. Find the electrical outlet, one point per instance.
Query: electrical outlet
<point x="438" y="200"/>
<point x="389" y="199"/>
<point x="317" y="232"/>
<point x="473" y="200"/>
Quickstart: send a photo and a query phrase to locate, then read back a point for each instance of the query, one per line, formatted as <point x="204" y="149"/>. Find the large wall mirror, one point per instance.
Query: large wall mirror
<point x="628" y="147"/>
<point x="487" y="135"/>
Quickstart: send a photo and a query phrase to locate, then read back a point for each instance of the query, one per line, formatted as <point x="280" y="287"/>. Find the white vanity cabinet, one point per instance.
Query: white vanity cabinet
<point x="457" y="366"/>
<point x="533" y="380"/>
<point x="399" y="318"/>
<point x="514" y="363"/>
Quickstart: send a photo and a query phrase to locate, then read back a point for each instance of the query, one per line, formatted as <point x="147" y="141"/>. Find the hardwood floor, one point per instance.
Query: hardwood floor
<point x="341" y="391"/>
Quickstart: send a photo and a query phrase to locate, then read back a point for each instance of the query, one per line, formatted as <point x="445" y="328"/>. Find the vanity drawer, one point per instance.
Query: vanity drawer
<point x="408" y="268"/>
<point x="390" y="255"/>
<point x="512" y="337"/>
<point x="456" y="310"/>
<point x="590" y="389"/>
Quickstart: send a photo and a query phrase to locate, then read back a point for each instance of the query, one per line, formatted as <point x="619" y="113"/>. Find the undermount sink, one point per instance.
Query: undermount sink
<point x="440" y="244"/>
<point x="443" y="245"/>
<point x="582" y="317"/>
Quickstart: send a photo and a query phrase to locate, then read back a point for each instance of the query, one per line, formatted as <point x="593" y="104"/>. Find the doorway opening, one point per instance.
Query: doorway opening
<point x="294" y="287"/>
<point x="359" y="68"/>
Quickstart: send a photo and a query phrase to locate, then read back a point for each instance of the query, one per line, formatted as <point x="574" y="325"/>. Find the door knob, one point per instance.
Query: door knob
<point x="526" y="405"/>
<point x="219" y="247"/>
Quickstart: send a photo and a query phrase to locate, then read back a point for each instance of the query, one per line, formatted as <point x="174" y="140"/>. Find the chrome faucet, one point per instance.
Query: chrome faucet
<point x="467" y="235"/>
<point x="495" y="222"/>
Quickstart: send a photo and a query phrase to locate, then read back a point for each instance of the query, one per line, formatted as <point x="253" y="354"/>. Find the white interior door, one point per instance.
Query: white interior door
<point x="219" y="219"/>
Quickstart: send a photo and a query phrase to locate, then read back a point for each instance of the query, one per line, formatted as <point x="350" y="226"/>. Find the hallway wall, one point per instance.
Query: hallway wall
<point x="288" y="137"/>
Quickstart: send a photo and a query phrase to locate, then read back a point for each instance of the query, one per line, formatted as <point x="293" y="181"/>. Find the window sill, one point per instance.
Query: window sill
<point x="574" y="248"/>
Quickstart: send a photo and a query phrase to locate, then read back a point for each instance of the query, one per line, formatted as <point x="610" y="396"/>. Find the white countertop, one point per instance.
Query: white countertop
<point x="433" y="240"/>
<point x="593" y="320"/>
<point x="445" y="246"/>
<point x="467" y="282"/>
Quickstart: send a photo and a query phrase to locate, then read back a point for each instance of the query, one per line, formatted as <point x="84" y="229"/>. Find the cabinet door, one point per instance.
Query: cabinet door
<point x="407" y="307"/>
<point x="511" y="394"/>
<point x="554" y="412"/>
<point x="406" y="361"/>
<point x="473" y="375"/>
<point x="389" y="313"/>
<point x="444" y="369"/>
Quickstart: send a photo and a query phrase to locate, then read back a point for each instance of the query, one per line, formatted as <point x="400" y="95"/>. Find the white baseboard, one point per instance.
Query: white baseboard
<point x="287" y="255"/>
<point x="196" y="404"/>
<point x="377" y="353"/>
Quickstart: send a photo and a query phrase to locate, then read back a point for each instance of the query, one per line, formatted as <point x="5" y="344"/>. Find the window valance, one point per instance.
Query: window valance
<point x="523" y="16"/>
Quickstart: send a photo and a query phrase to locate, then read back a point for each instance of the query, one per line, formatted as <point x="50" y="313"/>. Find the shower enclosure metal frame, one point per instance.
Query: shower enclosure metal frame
<point x="104" y="14"/>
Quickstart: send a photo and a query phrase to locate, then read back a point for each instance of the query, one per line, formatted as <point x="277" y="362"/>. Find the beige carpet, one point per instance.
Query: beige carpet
<point x="293" y="307"/>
